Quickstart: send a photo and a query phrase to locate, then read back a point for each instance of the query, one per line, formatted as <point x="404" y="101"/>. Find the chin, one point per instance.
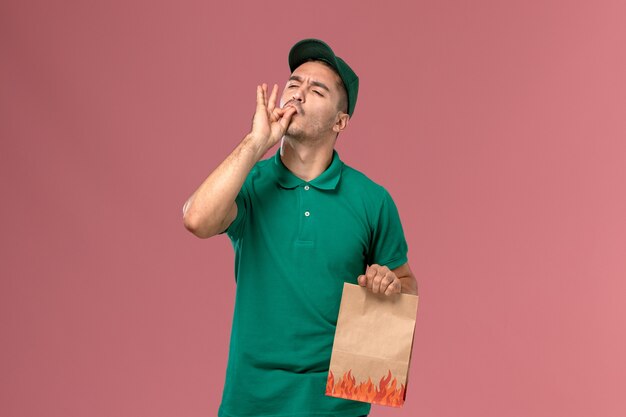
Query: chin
<point x="294" y="132"/>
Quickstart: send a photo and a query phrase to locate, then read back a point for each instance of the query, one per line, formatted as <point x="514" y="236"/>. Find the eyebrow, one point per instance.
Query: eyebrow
<point x="315" y="83"/>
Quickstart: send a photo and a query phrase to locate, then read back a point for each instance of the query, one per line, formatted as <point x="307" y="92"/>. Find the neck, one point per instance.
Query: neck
<point x="306" y="160"/>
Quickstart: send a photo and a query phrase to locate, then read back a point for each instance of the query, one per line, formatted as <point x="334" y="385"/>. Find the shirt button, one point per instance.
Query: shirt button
<point x="306" y="187"/>
<point x="306" y="213"/>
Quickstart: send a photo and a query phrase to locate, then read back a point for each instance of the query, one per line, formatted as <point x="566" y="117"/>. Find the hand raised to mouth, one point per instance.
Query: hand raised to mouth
<point x="296" y="104"/>
<point x="270" y="122"/>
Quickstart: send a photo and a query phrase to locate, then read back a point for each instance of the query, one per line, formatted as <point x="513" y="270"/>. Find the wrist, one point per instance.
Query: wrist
<point x="257" y="146"/>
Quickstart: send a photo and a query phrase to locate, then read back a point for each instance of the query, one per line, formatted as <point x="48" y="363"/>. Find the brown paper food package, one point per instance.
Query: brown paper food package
<point x="372" y="348"/>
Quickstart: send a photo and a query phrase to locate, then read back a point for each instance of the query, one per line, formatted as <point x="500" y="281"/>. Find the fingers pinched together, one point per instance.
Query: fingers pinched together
<point x="277" y="117"/>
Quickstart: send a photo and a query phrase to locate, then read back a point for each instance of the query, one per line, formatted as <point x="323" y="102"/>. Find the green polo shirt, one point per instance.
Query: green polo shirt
<point x="296" y="242"/>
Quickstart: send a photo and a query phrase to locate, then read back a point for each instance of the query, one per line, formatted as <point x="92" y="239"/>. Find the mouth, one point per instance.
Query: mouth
<point x="295" y="104"/>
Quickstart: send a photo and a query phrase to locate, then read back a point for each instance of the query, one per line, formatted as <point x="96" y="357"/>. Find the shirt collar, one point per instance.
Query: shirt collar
<point x="327" y="180"/>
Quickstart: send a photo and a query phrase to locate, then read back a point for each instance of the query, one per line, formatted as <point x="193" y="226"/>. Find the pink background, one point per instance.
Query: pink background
<point x="498" y="127"/>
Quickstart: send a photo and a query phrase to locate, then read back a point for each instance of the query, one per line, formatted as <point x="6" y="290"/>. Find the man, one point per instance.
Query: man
<point x="301" y="223"/>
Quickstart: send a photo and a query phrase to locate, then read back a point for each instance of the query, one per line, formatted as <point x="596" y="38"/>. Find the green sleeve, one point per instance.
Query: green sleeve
<point x="388" y="246"/>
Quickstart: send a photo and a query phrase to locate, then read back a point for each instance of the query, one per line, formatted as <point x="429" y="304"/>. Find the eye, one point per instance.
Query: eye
<point x="318" y="93"/>
<point x="292" y="86"/>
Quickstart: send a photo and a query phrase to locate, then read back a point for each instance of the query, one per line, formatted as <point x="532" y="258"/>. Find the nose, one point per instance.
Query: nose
<point x="299" y="94"/>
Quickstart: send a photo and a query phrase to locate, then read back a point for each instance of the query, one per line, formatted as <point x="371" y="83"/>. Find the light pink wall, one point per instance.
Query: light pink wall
<point x="498" y="127"/>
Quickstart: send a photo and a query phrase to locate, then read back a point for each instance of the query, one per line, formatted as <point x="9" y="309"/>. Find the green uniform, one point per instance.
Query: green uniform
<point x="296" y="243"/>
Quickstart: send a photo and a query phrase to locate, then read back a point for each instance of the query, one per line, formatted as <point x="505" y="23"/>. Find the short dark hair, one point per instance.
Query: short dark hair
<point x="343" y="94"/>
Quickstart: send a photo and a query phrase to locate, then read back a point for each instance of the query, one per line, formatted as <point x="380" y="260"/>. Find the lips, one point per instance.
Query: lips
<point x="295" y="104"/>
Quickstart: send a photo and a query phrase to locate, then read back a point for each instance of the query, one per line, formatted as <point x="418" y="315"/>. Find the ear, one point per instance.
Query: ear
<point x="342" y="122"/>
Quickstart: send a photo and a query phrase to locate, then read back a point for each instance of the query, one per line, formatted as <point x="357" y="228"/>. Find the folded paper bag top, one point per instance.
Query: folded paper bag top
<point x="372" y="347"/>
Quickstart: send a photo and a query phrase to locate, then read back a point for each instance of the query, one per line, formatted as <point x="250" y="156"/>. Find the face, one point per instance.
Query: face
<point x="313" y="89"/>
